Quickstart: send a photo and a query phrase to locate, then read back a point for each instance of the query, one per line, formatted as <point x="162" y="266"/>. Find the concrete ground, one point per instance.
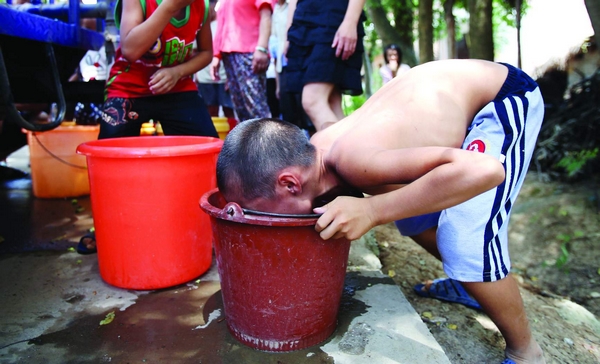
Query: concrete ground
<point x="55" y="307"/>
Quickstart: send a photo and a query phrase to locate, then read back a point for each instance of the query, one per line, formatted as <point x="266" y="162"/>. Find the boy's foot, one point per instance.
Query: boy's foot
<point x="446" y="289"/>
<point x="533" y="354"/>
<point x="87" y="244"/>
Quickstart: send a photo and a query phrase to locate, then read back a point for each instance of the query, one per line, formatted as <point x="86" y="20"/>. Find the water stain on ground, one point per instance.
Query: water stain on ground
<point x="183" y="324"/>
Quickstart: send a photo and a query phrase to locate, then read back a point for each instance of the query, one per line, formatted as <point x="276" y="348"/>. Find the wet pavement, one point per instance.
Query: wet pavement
<point x="55" y="307"/>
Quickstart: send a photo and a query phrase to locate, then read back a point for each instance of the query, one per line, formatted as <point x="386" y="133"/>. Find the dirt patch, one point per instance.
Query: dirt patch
<point x="555" y="251"/>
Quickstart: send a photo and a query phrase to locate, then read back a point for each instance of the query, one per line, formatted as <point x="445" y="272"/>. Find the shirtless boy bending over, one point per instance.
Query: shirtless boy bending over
<point x="441" y="150"/>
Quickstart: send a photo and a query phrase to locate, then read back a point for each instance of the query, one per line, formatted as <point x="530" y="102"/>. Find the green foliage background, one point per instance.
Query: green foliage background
<point x="504" y="19"/>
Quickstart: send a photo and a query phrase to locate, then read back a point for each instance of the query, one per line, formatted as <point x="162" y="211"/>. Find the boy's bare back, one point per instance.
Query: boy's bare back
<point x="381" y="144"/>
<point x="431" y="105"/>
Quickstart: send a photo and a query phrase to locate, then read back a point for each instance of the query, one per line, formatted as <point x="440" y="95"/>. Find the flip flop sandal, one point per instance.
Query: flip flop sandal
<point x="449" y="290"/>
<point x="82" y="246"/>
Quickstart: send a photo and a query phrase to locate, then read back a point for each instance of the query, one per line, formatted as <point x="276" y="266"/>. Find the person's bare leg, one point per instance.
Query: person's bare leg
<point x="228" y="112"/>
<point x="213" y="110"/>
<point x="427" y="240"/>
<point x="502" y="302"/>
<point x="315" y="101"/>
<point x="335" y="103"/>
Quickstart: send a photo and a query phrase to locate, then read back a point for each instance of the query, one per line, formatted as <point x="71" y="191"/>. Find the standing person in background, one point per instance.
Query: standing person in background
<point x="272" y="97"/>
<point x="241" y="42"/>
<point x="324" y="55"/>
<point x="214" y="92"/>
<point x="290" y="102"/>
<point x="392" y="55"/>
<point x="151" y="76"/>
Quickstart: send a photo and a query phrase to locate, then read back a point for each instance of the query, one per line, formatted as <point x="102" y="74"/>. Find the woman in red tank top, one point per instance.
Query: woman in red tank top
<point x="152" y="74"/>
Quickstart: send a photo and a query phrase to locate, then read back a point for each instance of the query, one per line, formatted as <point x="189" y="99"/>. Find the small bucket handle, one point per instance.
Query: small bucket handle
<point x="230" y="211"/>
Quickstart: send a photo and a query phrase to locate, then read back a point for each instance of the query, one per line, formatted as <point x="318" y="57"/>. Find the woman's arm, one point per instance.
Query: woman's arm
<point x="346" y="36"/>
<point x="290" y="18"/>
<point x="260" y="59"/>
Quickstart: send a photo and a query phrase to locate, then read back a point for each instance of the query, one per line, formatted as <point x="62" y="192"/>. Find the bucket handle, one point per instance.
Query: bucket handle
<point x="231" y="210"/>
<point x="275" y="214"/>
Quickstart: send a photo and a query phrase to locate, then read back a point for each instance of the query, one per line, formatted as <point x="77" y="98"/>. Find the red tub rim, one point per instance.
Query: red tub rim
<point x="233" y="212"/>
<point x="150" y="146"/>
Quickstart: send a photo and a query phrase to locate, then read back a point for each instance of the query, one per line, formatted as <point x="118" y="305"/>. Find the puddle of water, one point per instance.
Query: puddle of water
<point x="181" y="325"/>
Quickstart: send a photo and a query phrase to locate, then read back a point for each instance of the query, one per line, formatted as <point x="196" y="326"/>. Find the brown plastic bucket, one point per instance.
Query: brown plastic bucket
<point x="281" y="283"/>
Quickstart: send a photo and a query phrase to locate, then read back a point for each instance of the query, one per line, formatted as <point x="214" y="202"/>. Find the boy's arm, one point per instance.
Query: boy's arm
<point x="442" y="178"/>
<point x="137" y="34"/>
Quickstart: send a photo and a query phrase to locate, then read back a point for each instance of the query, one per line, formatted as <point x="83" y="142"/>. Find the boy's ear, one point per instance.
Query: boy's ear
<point x="290" y="182"/>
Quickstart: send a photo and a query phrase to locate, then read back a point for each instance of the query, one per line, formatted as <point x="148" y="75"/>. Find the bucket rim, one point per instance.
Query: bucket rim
<point x="65" y="129"/>
<point x="234" y="213"/>
<point x="125" y="147"/>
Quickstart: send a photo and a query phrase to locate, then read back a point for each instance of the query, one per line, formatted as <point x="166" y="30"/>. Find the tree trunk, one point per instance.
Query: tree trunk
<point x="593" y="8"/>
<point x="425" y="31"/>
<point x="481" y="40"/>
<point x="389" y="34"/>
<point x="368" y="73"/>
<point x="519" y="7"/>
<point x="451" y="26"/>
<point x="404" y="19"/>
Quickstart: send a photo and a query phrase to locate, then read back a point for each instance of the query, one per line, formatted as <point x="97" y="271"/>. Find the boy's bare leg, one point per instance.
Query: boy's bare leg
<point x="427" y="240"/>
<point x="502" y="302"/>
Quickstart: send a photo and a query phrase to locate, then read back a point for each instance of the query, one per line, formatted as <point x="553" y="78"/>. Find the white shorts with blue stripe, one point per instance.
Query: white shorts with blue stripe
<point x="472" y="237"/>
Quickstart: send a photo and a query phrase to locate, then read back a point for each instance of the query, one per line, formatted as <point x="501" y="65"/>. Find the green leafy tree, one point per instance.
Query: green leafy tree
<point x="392" y="22"/>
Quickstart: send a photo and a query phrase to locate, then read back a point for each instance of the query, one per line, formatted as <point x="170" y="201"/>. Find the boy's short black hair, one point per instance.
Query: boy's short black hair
<point x="253" y="154"/>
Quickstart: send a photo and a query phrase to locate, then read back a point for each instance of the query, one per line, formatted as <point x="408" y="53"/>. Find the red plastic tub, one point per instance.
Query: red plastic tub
<point x="144" y="193"/>
<point x="281" y="283"/>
